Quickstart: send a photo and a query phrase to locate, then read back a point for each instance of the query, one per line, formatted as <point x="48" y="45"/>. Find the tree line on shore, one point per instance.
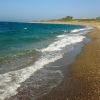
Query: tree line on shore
<point x="71" y="18"/>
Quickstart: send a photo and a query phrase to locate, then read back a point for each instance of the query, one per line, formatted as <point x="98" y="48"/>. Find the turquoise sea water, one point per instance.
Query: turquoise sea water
<point x="20" y="37"/>
<point x="26" y="48"/>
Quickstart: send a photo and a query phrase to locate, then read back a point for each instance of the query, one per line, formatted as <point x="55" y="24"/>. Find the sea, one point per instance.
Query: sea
<point x="31" y="56"/>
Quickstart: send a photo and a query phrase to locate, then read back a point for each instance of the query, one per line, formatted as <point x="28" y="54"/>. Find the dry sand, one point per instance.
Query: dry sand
<point x="83" y="80"/>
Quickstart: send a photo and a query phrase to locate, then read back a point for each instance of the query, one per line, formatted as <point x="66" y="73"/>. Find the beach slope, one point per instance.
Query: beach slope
<point x="83" y="79"/>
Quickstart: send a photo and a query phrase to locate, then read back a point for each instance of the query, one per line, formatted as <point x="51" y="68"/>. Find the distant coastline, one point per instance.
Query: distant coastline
<point x="69" y="19"/>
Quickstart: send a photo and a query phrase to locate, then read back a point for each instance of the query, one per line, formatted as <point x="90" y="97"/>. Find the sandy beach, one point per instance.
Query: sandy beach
<point x="49" y="50"/>
<point x="83" y="79"/>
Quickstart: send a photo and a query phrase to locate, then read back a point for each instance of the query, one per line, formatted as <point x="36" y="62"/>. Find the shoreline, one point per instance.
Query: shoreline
<point x="22" y="91"/>
<point x="82" y="80"/>
<point x="72" y="87"/>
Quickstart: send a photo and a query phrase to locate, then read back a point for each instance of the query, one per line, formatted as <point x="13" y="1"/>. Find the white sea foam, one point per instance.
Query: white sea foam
<point x="78" y="30"/>
<point x="88" y="28"/>
<point x="61" y="43"/>
<point x="9" y="82"/>
<point x="61" y="36"/>
<point x="25" y="28"/>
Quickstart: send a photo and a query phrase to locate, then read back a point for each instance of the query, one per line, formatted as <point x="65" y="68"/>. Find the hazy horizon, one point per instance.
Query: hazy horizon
<point x="29" y="10"/>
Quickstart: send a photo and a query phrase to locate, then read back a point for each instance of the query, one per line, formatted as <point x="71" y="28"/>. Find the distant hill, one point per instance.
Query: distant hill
<point x="67" y="18"/>
<point x="70" y="18"/>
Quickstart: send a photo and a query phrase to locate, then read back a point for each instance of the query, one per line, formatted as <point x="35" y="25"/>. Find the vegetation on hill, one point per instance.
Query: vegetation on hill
<point x="70" y="18"/>
<point x="67" y="18"/>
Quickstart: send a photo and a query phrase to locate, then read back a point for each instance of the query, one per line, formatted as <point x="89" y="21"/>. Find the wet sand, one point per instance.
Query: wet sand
<point x="83" y="79"/>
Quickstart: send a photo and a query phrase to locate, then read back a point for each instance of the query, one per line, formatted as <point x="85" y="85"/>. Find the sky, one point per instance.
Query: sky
<point x="29" y="10"/>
